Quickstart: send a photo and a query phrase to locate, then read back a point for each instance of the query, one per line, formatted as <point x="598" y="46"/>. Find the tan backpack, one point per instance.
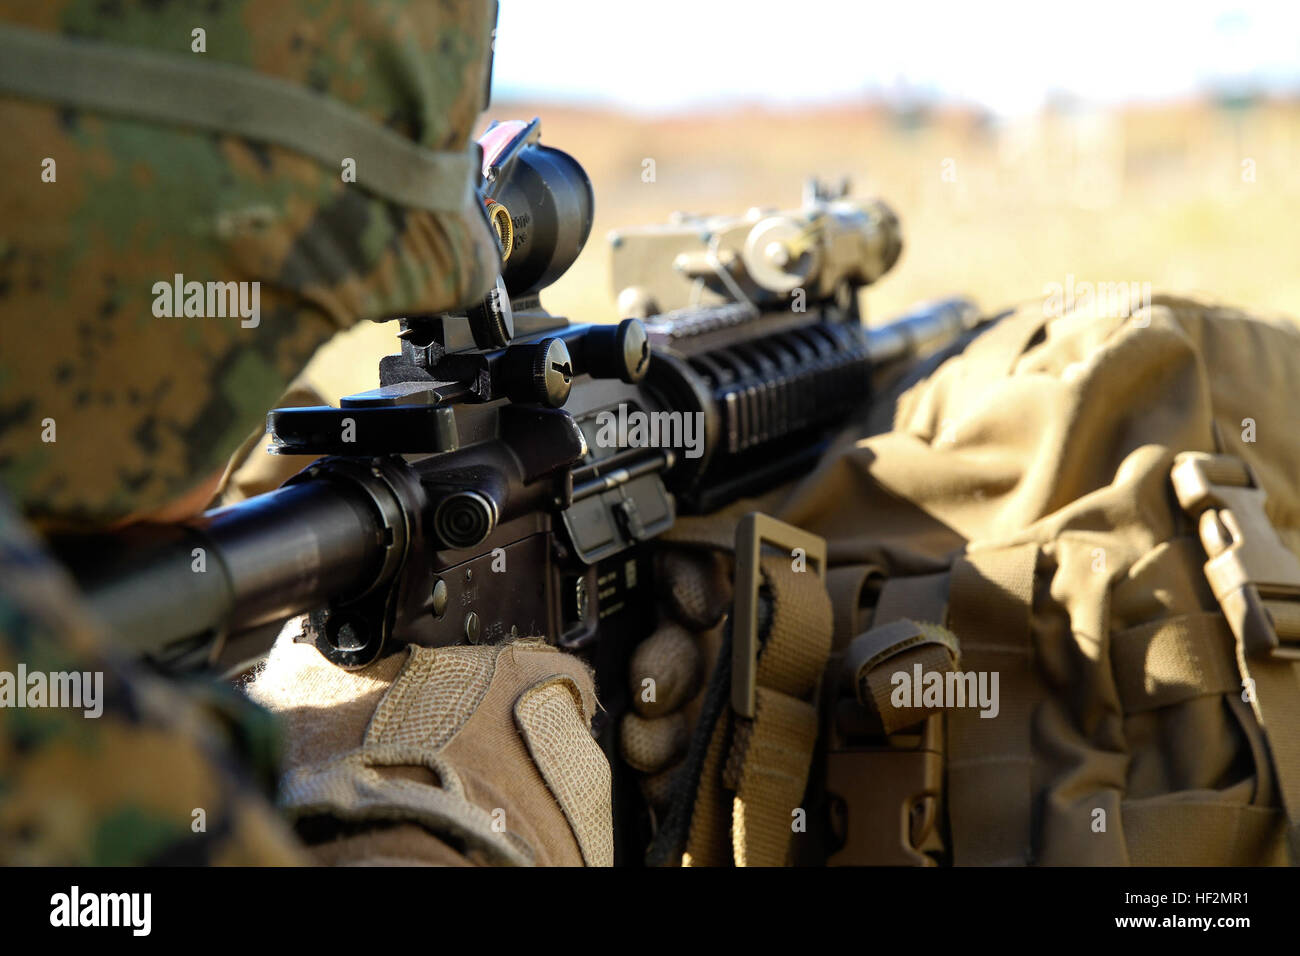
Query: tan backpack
<point x="1031" y="660"/>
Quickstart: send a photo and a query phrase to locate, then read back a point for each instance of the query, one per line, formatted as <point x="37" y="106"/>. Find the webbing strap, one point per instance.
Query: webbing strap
<point x="209" y="95"/>
<point x="872" y="648"/>
<point x="775" y="755"/>
<point x="989" y="760"/>
<point x="702" y="532"/>
<point x="1173" y="660"/>
<point x="1256" y="580"/>
<point x="904" y="646"/>
<point x="772" y="773"/>
<point x="798" y="642"/>
<point x="763" y="761"/>
<point x="1171" y="831"/>
<point x="1276" y="699"/>
<point x="707" y="843"/>
<point x="846" y="585"/>
<point x="921" y="597"/>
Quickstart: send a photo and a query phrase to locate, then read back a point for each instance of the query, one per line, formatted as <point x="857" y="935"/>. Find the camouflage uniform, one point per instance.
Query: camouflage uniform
<point x="157" y="778"/>
<point x="143" y="409"/>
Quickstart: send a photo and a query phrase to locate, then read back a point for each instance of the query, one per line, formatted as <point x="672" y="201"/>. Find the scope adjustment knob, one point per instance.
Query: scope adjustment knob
<point x="621" y="351"/>
<point x="540" y="372"/>
<point x="492" y="321"/>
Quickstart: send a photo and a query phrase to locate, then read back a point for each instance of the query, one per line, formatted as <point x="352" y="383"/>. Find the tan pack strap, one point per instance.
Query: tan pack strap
<point x="703" y="531"/>
<point x="847" y="585"/>
<point x="872" y="649"/>
<point x="1172" y="831"/>
<point x="903" y="646"/>
<point x="990" y="806"/>
<point x="1256" y="580"/>
<point x="922" y="597"/>
<point x="787" y="662"/>
<point x="763" y="760"/>
<point x="768" y="769"/>
<point x="1169" y="661"/>
<point x="708" y="841"/>
<point x="197" y="93"/>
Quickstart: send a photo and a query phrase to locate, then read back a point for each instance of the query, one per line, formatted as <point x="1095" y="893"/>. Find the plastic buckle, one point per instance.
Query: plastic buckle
<point x="755" y="530"/>
<point x="1254" y="576"/>
<point x="885" y="801"/>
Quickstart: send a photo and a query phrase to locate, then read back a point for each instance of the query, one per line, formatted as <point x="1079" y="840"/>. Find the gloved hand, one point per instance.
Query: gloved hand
<point x="469" y="754"/>
<point x="669" y="670"/>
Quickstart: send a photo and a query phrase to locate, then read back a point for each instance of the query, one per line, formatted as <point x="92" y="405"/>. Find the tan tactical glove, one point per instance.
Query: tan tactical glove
<point x="472" y="754"/>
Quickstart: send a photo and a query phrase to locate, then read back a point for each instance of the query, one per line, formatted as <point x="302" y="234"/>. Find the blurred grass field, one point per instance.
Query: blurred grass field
<point x="1193" y="198"/>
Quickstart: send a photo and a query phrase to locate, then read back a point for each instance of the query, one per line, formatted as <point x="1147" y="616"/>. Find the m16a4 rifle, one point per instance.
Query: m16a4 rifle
<point x="503" y="479"/>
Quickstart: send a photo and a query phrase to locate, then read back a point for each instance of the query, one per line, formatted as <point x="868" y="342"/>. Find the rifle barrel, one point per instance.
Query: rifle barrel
<point x="234" y="568"/>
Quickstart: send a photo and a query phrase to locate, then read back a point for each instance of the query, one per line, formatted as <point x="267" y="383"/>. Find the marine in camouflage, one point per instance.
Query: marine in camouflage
<point x="107" y="410"/>
<point x="145" y="409"/>
<point x="160" y="776"/>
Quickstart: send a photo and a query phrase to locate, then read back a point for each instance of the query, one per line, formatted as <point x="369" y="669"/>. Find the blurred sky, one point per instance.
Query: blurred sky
<point x="1011" y="57"/>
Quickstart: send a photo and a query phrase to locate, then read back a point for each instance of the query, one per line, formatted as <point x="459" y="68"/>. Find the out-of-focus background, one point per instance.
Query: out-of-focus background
<point x="1022" y="144"/>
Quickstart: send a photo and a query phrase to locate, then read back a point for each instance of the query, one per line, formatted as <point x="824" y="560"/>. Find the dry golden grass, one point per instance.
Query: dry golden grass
<point x="1158" y="195"/>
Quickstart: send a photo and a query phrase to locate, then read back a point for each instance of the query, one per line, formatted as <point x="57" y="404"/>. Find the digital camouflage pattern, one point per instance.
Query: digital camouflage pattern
<point x="145" y="409"/>
<point x="124" y="787"/>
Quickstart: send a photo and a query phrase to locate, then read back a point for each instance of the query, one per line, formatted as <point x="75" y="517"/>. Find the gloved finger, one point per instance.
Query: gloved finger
<point x="657" y="788"/>
<point x="664" y="671"/>
<point x="694" y="584"/>
<point x="652" y="745"/>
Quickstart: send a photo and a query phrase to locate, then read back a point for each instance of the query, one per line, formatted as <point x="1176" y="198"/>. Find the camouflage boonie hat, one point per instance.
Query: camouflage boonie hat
<point x="160" y="159"/>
